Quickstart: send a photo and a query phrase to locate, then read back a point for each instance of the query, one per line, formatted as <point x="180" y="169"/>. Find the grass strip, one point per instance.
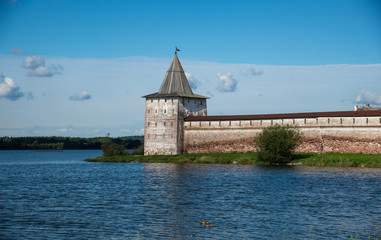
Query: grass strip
<point x="342" y="160"/>
<point x="251" y="158"/>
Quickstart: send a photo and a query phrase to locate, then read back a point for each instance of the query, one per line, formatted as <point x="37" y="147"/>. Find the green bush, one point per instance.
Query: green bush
<point x="112" y="149"/>
<point x="276" y="144"/>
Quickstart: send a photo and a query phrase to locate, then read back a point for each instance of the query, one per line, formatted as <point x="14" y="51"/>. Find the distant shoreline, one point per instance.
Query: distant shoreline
<point x="250" y="158"/>
<point x="66" y="143"/>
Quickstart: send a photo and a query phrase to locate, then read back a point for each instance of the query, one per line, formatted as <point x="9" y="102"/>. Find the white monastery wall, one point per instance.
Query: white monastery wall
<point x="205" y="133"/>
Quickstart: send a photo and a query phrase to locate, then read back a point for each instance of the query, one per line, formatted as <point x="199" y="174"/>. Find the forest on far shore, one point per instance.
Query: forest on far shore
<point x="66" y="143"/>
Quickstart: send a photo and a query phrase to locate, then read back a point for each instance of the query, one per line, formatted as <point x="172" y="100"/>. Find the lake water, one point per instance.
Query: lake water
<point x="56" y="195"/>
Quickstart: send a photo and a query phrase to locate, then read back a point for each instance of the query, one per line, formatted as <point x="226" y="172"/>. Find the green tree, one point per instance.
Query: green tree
<point x="30" y="143"/>
<point x="276" y="144"/>
<point x="112" y="149"/>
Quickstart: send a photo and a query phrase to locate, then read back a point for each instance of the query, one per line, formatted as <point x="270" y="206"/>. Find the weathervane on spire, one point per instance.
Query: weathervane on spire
<point x="177" y="50"/>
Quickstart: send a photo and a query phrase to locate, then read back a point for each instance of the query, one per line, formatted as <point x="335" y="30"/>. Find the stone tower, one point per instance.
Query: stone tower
<point x="166" y="110"/>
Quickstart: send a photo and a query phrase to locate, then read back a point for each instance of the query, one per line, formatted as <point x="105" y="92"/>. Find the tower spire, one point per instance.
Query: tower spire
<point x="175" y="83"/>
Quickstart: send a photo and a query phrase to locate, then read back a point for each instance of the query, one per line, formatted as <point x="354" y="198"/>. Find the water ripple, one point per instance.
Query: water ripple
<point x="54" y="195"/>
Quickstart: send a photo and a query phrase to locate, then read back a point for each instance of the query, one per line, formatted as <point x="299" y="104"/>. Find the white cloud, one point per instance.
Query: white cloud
<point x="251" y="71"/>
<point x="37" y="67"/>
<point x="139" y="131"/>
<point x="227" y="82"/>
<point x="368" y="97"/>
<point x="9" y="89"/>
<point x="192" y="81"/>
<point x="64" y="130"/>
<point x="33" y="62"/>
<point x="80" y="97"/>
<point x="43" y="71"/>
<point x="125" y="130"/>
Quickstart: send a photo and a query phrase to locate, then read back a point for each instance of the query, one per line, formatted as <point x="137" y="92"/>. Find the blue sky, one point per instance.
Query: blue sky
<point x="79" y="68"/>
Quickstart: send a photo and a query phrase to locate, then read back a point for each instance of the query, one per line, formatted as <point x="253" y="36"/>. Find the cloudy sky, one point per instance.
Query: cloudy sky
<point x="79" y="68"/>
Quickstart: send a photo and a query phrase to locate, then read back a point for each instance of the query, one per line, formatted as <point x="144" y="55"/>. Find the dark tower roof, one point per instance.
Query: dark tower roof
<point x="175" y="80"/>
<point x="175" y="83"/>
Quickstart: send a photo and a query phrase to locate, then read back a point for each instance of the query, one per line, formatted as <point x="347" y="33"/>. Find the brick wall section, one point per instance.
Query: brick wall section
<point x="321" y="134"/>
<point x="329" y="144"/>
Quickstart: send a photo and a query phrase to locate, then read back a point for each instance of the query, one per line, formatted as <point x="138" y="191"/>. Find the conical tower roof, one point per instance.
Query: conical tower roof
<point x="175" y="83"/>
<point x="175" y="80"/>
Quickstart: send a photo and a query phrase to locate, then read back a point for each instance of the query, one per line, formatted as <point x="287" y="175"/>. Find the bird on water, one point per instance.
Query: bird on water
<point x="206" y="223"/>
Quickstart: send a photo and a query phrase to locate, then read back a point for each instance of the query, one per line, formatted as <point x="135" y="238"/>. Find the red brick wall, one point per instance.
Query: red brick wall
<point x="319" y="145"/>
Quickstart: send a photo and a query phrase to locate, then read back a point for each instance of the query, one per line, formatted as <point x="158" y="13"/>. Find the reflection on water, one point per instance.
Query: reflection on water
<point x="56" y="195"/>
